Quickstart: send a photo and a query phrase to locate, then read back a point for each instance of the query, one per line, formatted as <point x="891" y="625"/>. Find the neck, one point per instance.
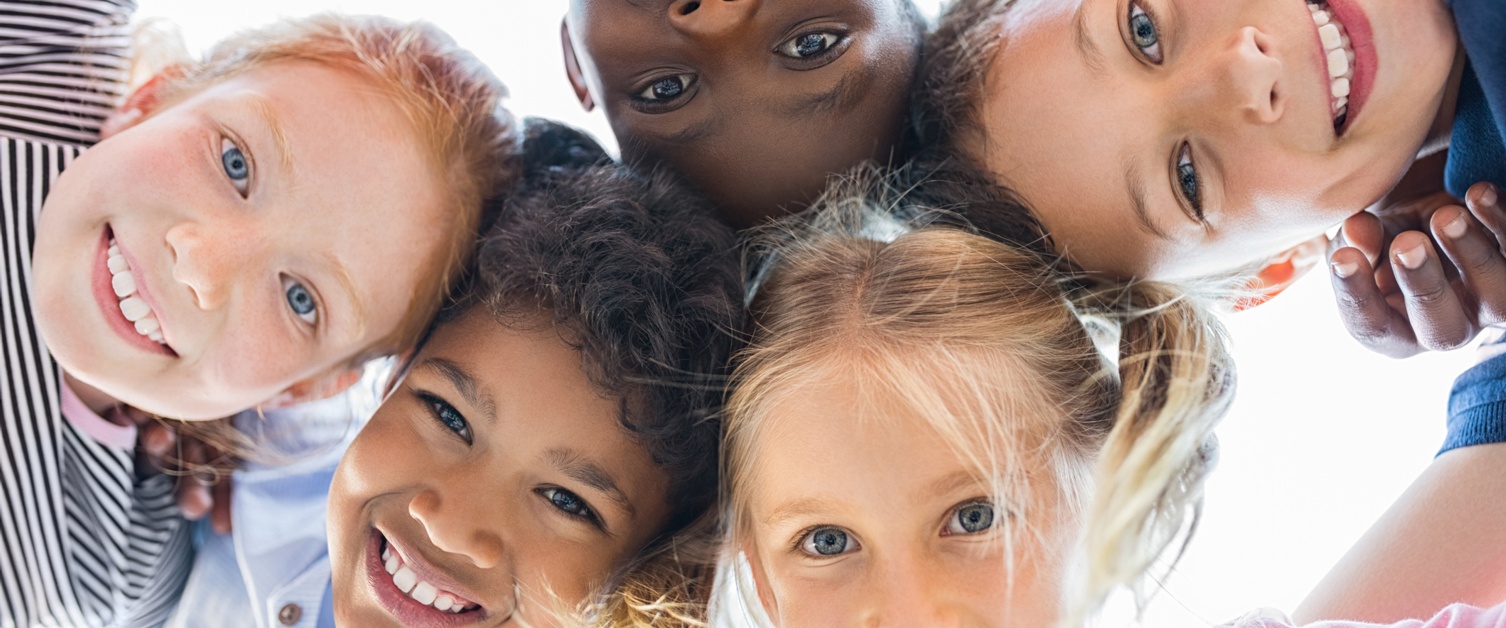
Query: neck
<point x="1443" y="124"/>
<point x="96" y="400"/>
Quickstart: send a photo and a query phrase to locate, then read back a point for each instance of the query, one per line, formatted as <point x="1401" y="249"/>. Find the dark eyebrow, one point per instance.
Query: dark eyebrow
<point x="1136" y="187"/>
<point x="582" y="470"/>
<point x="464" y="383"/>
<point x="1092" y="55"/>
<point x="843" y="95"/>
<point x="696" y="132"/>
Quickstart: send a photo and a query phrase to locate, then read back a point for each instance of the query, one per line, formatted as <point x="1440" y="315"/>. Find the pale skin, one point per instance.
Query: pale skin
<point x="225" y="204"/>
<point x="912" y="534"/>
<point x="497" y="466"/>
<point x="1237" y="91"/>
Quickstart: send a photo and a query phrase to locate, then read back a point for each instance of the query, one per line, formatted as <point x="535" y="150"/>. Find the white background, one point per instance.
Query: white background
<point x="1322" y="437"/>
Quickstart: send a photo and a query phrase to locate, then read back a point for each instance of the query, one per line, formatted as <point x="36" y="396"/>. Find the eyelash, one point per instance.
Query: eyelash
<point x="1181" y="181"/>
<point x="838" y="45"/>
<point x="438" y="408"/>
<point x="590" y="515"/>
<point x="1136" y="10"/>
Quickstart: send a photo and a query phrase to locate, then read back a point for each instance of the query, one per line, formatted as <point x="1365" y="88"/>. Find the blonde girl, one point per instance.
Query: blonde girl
<point x="931" y="427"/>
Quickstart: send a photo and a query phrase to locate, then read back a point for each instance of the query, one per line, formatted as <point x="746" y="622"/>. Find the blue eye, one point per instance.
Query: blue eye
<point x="300" y="300"/>
<point x="1188" y="182"/>
<point x="237" y="167"/>
<point x="447" y="416"/>
<point x="971" y="519"/>
<point x="827" y="541"/>
<point x="1144" y="34"/>
<point x="569" y="503"/>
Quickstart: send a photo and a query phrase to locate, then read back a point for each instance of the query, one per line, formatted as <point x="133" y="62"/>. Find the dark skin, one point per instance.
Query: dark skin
<point x="754" y="102"/>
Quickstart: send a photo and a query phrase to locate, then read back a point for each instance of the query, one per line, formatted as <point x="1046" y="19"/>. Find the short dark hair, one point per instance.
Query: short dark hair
<point x="640" y="278"/>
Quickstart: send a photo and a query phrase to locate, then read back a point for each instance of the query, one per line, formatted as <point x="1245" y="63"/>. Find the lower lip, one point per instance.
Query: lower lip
<point x="404" y="609"/>
<point x="109" y="304"/>
<point x="1357" y="26"/>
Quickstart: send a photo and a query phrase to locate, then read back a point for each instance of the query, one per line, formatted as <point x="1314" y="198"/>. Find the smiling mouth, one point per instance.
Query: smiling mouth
<point x="1338" y="54"/>
<point x="132" y="306"/>
<point x="418" y="590"/>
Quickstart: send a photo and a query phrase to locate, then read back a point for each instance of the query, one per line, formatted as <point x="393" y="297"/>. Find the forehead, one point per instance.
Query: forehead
<point x="342" y="168"/>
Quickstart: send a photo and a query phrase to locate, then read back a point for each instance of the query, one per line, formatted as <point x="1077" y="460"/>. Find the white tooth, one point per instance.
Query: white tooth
<point x="1338" y="64"/>
<point x="1340" y="87"/>
<point x="1338" y="105"/>
<point x="124" y="284"/>
<point x="156" y="337"/>
<point x="1320" y="17"/>
<point x="457" y="607"/>
<point x="148" y="326"/>
<point x="387" y="552"/>
<point x="1349" y="54"/>
<point x="134" y="308"/>
<point x="405" y="579"/>
<point x="1329" y="34"/>
<point x="444" y="602"/>
<point x="424" y="593"/>
<point x="113" y="251"/>
<point x="392" y="565"/>
<point x="116" y="263"/>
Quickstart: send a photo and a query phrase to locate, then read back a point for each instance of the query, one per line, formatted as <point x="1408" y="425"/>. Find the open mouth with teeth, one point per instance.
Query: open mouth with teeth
<point x="1339" y="56"/>
<point x="132" y="306"/>
<point x="420" y="591"/>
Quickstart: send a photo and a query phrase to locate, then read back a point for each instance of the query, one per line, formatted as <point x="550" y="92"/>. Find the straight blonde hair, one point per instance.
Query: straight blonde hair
<point x="998" y="348"/>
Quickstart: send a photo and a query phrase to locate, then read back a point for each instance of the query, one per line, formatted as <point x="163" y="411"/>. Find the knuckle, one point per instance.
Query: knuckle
<point x="1430" y="296"/>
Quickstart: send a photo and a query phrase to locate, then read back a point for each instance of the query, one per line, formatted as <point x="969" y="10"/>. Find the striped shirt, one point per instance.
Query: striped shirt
<point x="84" y="541"/>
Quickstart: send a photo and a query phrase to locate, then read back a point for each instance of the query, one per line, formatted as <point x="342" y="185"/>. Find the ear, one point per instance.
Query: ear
<point x="321" y="387"/>
<point x="140" y="104"/>
<point x="572" y="69"/>
<point x="1281" y="271"/>
<point x="761" y="583"/>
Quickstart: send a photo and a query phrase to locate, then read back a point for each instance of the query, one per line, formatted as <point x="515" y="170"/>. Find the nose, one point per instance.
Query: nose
<point x="711" y="19"/>
<point x="207" y="262"/>
<point x="902" y="595"/>
<point x="453" y="529"/>
<point x="1247" y="79"/>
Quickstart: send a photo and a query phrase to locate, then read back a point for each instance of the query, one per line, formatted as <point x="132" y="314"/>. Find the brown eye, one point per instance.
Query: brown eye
<point x="808" y="45"/>
<point x="667" y="88"/>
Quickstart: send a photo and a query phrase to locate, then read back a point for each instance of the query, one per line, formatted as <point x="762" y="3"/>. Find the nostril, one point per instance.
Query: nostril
<point x="689" y="8"/>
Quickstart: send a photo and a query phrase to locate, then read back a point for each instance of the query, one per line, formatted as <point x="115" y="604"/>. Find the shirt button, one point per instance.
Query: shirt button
<point x="290" y="614"/>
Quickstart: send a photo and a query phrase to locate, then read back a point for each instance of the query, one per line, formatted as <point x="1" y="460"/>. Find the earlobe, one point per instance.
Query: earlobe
<point x="1282" y="270"/>
<point x="572" y="69"/>
<point x="140" y="104"/>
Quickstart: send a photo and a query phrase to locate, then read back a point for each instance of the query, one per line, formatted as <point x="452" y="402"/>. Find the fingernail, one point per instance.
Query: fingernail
<point x="1455" y="230"/>
<point x="1488" y="197"/>
<point x="1344" y="269"/>
<point x="1412" y="258"/>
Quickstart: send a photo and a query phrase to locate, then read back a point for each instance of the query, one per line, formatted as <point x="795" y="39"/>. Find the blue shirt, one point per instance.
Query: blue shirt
<point x="1477" y="151"/>
<point x="1477" y="404"/>
<point x="273" y="570"/>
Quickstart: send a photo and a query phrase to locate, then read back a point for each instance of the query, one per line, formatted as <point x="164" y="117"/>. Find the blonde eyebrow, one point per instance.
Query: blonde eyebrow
<point x="268" y="115"/>
<point x="348" y="284"/>
<point x="1092" y="55"/>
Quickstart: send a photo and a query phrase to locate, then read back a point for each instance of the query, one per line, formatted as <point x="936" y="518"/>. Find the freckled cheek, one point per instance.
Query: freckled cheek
<point x="254" y="351"/>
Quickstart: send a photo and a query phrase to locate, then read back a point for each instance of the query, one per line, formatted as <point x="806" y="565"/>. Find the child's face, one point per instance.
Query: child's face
<point x="861" y="514"/>
<point x="1172" y="138"/>
<point x="269" y="228"/>
<point x="496" y="474"/>
<point x="753" y="101"/>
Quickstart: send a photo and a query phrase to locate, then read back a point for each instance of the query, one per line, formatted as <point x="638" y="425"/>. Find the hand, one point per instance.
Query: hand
<point x="203" y="470"/>
<point x="1416" y="300"/>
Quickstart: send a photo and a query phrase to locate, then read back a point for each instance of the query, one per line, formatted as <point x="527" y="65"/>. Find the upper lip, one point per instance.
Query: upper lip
<point x="426" y="572"/>
<point x="138" y="272"/>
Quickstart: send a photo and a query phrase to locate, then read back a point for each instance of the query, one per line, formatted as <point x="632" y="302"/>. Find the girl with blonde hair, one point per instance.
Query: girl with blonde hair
<point x="931" y="427"/>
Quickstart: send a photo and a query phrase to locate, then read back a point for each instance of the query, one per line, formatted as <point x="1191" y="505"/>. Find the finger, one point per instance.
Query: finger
<point x="219" y="515"/>
<point x="1477" y="256"/>
<point x="1438" y="319"/>
<point x="1365" y="232"/>
<point x="157" y="440"/>
<point x="194" y="499"/>
<point x="1484" y="203"/>
<point x="1363" y="307"/>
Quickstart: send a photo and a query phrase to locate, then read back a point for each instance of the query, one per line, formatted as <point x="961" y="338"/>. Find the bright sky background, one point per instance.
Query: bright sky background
<point x="1322" y="438"/>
